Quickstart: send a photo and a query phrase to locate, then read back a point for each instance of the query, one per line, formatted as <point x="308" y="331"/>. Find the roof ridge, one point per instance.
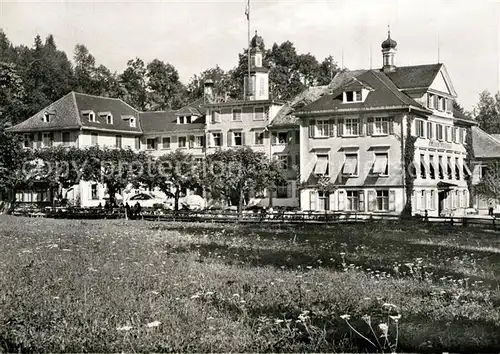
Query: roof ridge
<point x="488" y="136"/>
<point x="78" y="119"/>
<point x="396" y="93"/>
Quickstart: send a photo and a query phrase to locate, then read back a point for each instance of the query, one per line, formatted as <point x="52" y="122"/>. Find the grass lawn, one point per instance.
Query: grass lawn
<point x="101" y="286"/>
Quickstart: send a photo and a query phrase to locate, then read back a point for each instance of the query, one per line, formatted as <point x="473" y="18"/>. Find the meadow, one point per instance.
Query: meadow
<point x="138" y="286"/>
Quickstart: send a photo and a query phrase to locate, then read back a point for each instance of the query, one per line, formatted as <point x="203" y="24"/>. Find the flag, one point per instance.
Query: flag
<point x="247" y="10"/>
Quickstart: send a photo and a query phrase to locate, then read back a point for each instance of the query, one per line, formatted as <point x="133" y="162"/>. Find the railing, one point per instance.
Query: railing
<point x="230" y="216"/>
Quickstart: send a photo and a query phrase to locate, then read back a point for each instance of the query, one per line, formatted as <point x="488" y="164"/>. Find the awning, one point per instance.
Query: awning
<point x="445" y="185"/>
<point x="380" y="164"/>
<point x="321" y="166"/>
<point x="351" y="162"/>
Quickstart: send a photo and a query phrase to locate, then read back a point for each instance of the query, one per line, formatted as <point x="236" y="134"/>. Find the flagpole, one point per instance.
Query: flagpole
<point x="248" y="51"/>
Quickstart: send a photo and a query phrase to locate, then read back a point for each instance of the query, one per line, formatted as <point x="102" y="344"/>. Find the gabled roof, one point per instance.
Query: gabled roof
<point x="484" y="145"/>
<point x="385" y="94"/>
<point x="120" y="110"/>
<point x="416" y="76"/>
<point x="63" y="115"/>
<point x="195" y="108"/>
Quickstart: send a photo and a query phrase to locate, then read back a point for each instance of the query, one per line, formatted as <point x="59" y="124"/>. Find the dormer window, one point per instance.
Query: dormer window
<point x="353" y="96"/>
<point x="132" y="122"/>
<point x="109" y="119"/>
<point x="46" y="117"/>
<point x="188" y="120"/>
<point x="180" y="120"/>
<point x="92" y="117"/>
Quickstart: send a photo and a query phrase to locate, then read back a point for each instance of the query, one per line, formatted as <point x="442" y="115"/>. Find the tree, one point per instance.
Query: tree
<point x="327" y="71"/>
<point x="84" y="69"/>
<point x="177" y="171"/>
<point x="133" y="81"/>
<point x="489" y="186"/>
<point x="487" y="112"/>
<point x="12" y="94"/>
<point x="165" y="91"/>
<point x="223" y="84"/>
<point x="235" y="173"/>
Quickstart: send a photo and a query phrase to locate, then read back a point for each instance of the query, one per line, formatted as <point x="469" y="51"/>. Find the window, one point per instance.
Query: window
<point x="46" y="117"/>
<point x="355" y="201"/>
<point x="258" y="113"/>
<point x="351" y="127"/>
<point x="137" y="143"/>
<point x="109" y="119"/>
<point x="441" y="168"/>
<point x="431" y="202"/>
<point x="199" y="141"/>
<point x="283" y="162"/>
<point x="93" y="192"/>
<point x="455" y="135"/>
<point x="422" y="200"/>
<point x="440" y="103"/>
<point x="423" y="172"/>
<point x="380" y="166"/>
<point x="323" y="200"/>
<point x="166" y="143"/>
<point x="439" y="132"/>
<point x="353" y="96"/>
<point x="237" y="138"/>
<point x="262" y="85"/>
<point x="457" y="168"/>
<point x="383" y="200"/>
<point x="216" y="116"/>
<point x="187" y="120"/>
<point x="430" y="101"/>
<point x="380" y="126"/>
<point x="28" y="140"/>
<point x="449" y="171"/>
<point x="322" y="165"/>
<point x="151" y="144"/>
<point x="432" y="171"/>
<point x="430" y="132"/>
<point x="91" y="117"/>
<point x="259" y="138"/>
<point x="284" y="191"/>
<point x="217" y="139"/>
<point x="350" y="167"/>
<point x="118" y="141"/>
<point x="236" y="114"/>
<point x="419" y="128"/>
<point x="447" y="134"/>
<point x="94" y="139"/>
<point x="282" y="137"/>
<point x="463" y="134"/>
<point x="322" y="128"/>
<point x="182" y="141"/>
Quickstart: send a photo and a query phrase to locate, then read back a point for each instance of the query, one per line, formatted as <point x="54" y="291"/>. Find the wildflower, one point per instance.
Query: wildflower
<point x="342" y="254"/>
<point x="389" y="306"/>
<point x="153" y="324"/>
<point x="395" y="318"/>
<point x="154" y="292"/>
<point x="208" y="293"/>
<point x="236" y="295"/>
<point x="309" y="267"/>
<point x="345" y="317"/>
<point x="278" y="321"/>
<point x="367" y="319"/>
<point x="210" y="318"/>
<point x="195" y="296"/>
<point x="384" y="328"/>
<point x="124" y="328"/>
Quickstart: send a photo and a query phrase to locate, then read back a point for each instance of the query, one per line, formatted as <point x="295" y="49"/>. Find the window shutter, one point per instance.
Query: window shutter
<point x="361" y="126"/>
<point x="289" y="190"/>
<point x="289" y="137"/>
<point x="341" y="195"/>
<point x="312" y="200"/>
<point x="392" y="200"/>
<point x="369" y="126"/>
<point x="312" y="128"/>
<point x="274" y="138"/>
<point x="289" y="162"/>
<point x="391" y="122"/>
<point x="465" y="136"/>
<point x="372" y="202"/>
<point x="242" y="138"/>
<point x="361" y="194"/>
<point x="340" y="127"/>
<point x="332" y="127"/>
<point x="191" y="141"/>
<point x="229" y="139"/>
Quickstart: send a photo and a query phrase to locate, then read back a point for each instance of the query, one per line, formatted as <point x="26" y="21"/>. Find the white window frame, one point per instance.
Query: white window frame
<point x="46" y="117"/>
<point x="322" y="128"/>
<point x="375" y="158"/>
<point x="354" y="96"/>
<point x="419" y="133"/>
<point x="132" y="122"/>
<point x="234" y="114"/>
<point x="216" y="116"/>
<point x="109" y="119"/>
<point x="382" y="197"/>
<point x="185" y="139"/>
<point x="355" y="174"/>
<point x="163" y="140"/>
<point x="263" y="113"/>
<point x="198" y="141"/>
<point x="383" y="122"/>
<point x="327" y="172"/>
<point x="258" y="133"/>
<point x="219" y="134"/>
<point x="91" y="117"/>
<point x="352" y="199"/>
<point x="233" y="137"/>
<point x="352" y="122"/>
<point x="153" y="145"/>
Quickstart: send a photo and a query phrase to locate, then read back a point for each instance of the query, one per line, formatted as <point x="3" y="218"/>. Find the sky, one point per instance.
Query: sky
<point x="197" y="35"/>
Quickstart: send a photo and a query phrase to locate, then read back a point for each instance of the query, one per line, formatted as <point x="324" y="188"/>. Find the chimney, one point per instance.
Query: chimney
<point x="208" y="91"/>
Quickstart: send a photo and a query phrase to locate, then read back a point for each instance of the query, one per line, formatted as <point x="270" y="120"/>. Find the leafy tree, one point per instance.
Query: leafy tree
<point x="327" y="71"/>
<point x="489" y="186"/>
<point x="487" y="112"/>
<point x="165" y="91"/>
<point x="133" y="81"/>
<point x="235" y="173"/>
<point x="223" y="84"/>
<point x="176" y="172"/>
<point x="12" y="94"/>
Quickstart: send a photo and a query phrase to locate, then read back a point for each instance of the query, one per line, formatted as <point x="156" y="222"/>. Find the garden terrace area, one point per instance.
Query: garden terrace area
<point x="117" y="285"/>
